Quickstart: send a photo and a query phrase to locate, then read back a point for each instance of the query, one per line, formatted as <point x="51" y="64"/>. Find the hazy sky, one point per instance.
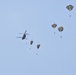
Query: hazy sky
<point x="56" y="56"/>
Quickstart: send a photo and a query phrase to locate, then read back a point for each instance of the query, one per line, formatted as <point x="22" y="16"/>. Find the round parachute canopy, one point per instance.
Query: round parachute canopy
<point x="60" y="29"/>
<point x="54" y="25"/>
<point x="69" y="7"/>
<point x="31" y="42"/>
<point x="38" y="45"/>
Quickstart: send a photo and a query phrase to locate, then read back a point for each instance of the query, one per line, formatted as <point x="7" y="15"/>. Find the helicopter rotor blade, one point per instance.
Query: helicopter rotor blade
<point x="20" y="33"/>
<point x="19" y="37"/>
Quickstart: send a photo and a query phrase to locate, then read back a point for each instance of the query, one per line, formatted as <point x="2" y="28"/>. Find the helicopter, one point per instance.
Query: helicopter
<point x="24" y="35"/>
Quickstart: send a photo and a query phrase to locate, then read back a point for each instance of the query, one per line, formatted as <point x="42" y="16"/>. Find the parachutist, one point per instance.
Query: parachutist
<point x="36" y="53"/>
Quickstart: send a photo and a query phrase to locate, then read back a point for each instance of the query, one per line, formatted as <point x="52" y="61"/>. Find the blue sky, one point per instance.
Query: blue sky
<point x="56" y="56"/>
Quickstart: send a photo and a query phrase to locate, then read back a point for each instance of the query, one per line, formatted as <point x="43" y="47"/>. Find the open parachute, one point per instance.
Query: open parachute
<point x="70" y="7"/>
<point x="54" y="26"/>
<point x="60" y="29"/>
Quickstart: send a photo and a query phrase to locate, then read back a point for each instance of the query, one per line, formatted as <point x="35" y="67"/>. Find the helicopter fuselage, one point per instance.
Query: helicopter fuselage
<point x="24" y="36"/>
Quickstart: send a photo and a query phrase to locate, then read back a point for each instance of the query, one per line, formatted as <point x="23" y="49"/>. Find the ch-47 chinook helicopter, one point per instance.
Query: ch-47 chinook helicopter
<point x="24" y="35"/>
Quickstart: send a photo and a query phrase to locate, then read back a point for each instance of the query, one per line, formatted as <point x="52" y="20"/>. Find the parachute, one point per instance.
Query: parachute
<point x="54" y="26"/>
<point x="70" y="7"/>
<point x="60" y="29"/>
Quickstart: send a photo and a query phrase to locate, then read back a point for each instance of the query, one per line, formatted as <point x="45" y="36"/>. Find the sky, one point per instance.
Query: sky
<point x="56" y="56"/>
